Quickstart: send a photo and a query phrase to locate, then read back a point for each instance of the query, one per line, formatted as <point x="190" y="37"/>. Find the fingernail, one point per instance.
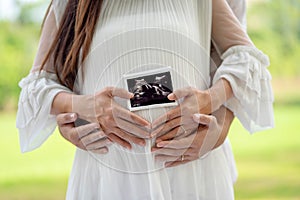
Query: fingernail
<point x="109" y="142"/>
<point x="153" y="135"/>
<point x="197" y="117"/>
<point x="128" y="147"/>
<point x="148" y="126"/>
<point x="142" y="143"/>
<point x="171" y="96"/>
<point x="104" y="151"/>
<point x="96" y="126"/>
<point x="131" y="95"/>
<point x="167" y="165"/>
<point x="72" y="115"/>
<point x="161" y="144"/>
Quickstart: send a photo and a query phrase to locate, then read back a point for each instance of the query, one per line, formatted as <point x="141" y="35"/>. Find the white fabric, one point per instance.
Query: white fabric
<point x="58" y="9"/>
<point x="245" y="69"/>
<point x="239" y="9"/>
<point x="132" y="36"/>
<point x="34" y="121"/>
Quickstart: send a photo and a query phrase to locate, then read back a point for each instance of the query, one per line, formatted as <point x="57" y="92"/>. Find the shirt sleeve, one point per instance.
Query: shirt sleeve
<point x="245" y="67"/>
<point x="239" y="10"/>
<point x="38" y="89"/>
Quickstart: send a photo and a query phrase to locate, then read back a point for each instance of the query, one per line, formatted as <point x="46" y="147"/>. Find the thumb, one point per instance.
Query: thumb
<point x="119" y="92"/>
<point x="66" y="118"/>
<point x="202" y="119"/>
<point x="180" y="93"/>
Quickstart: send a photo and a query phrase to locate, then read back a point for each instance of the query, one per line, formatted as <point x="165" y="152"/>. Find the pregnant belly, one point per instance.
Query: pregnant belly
<point x="109" y="62"/>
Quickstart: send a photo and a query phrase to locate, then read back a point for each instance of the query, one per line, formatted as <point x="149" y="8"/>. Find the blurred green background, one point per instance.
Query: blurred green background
<point x="268" y="162"/>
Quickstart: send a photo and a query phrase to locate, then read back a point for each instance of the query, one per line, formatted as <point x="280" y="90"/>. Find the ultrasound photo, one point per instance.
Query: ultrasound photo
<point x="150" y="90"/>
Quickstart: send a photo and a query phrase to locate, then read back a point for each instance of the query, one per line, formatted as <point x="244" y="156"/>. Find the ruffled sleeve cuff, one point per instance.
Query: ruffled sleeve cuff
<point x="246" y="70"/>
<point x="34" y="121"/>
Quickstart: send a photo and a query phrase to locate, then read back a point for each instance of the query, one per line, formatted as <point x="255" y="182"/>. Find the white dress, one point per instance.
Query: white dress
<point x="135" y="36"/>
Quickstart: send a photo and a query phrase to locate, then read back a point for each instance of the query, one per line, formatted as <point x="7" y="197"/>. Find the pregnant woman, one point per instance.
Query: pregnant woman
<point x="86" y="50"/>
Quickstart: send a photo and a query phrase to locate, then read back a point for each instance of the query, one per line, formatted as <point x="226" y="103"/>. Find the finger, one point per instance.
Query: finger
<point x="130" y="116"/>
<point x="93" y="137"/>
<point x="66" y="129"/>
<point x="172" y="152"/>
<point x="165" y="158"/>
<point x="128" y="137"/>
<point x="99" y="144"/>
<point x="179" y="162"/>
<point x="69" y="133"/>
<point x="86" y="129"/>
<point x="118" y="92"/>
<point x="103" y="150"/>
<point x="172" y="114"/>
<point x="181" y="93"/>
<point x="79" y="144"/>
<point x="203" y="119"/>
<point x="177" y="133"/>
<point x="117" y="140"/>
<point x="168" y="126"/>
<point x="210" y="140"/>
<point x="170" y="135"/>
<point x="132" y="128"/>
<point x="178" y="144"/>
<point x="66" y="118"/>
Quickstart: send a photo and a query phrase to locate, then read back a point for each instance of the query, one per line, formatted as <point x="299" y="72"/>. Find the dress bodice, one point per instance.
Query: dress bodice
<point x="135" y="36"/>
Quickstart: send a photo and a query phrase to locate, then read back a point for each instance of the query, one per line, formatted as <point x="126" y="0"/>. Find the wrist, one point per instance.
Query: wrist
<point x="224" y="117"/>
<point x="62" y="103"/>
<point x="219" y="93"/>
<point x="84" y="106"/>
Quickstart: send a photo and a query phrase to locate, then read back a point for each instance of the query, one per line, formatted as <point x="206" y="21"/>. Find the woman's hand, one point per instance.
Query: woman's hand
<point x="178" y="122"/>
<point x="118" y="123"/>
<point x="210" y="134"/>
<point x="87" y="137"/>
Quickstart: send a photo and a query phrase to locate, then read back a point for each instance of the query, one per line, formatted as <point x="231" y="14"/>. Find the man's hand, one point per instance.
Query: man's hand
<point x="87" y="137"/>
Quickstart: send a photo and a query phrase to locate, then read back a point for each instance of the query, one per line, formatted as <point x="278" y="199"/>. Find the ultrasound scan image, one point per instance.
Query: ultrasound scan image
<point x="151" y="89"/>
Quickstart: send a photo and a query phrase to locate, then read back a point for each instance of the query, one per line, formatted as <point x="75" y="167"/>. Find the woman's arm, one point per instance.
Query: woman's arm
<point x="42" y="97"/>
<point x="34" y="121"/>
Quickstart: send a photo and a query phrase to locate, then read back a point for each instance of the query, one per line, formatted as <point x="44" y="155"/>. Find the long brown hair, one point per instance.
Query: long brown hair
<point x="73" y="39"/>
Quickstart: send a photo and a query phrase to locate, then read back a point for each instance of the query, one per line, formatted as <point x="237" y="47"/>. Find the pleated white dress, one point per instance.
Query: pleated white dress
<point x="136" y="36"/>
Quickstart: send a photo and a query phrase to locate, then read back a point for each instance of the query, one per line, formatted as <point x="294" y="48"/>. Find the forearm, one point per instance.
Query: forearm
<point x="62" y="103"/>
<point x="224" y="117"/>
<point x="219" y="93"/>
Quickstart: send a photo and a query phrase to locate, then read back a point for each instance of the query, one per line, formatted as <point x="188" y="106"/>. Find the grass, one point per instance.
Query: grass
<point x="268" y="162"/>
<point x="41" y="174"/>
